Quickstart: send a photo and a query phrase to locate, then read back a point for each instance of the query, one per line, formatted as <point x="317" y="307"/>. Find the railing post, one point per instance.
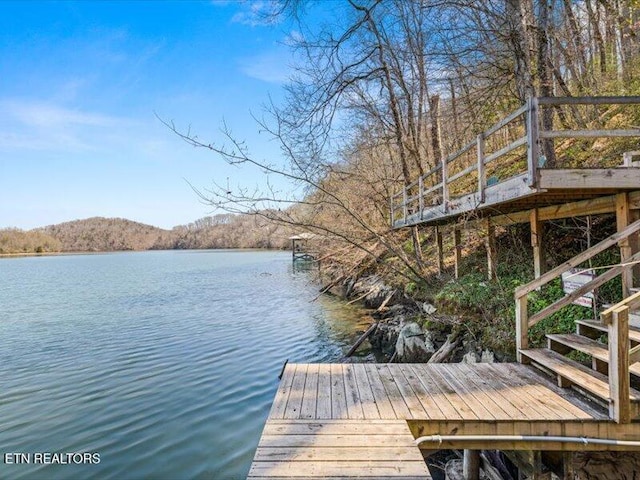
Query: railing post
<point x="445" y="187"/>
<point x="522" y="327"/>
<point x="620" y="407"/>
<point x="532" y="140"/>
<point x="421" y="195"/>
<point x="482" y="178"/>
<point x="404" y="204"/>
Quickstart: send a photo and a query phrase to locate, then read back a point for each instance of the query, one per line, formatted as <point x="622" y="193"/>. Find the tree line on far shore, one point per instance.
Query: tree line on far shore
<point x="100" y="234"/>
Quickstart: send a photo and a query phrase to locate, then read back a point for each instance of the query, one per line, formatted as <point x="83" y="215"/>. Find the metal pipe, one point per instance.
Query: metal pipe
<point x="525" y="438"/>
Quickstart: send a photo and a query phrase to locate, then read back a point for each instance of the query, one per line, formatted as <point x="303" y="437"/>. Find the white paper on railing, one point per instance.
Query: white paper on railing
<point x="574" y="279"/>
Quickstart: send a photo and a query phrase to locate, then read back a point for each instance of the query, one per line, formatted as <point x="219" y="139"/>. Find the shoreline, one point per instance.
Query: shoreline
<point x="107" y="252"/>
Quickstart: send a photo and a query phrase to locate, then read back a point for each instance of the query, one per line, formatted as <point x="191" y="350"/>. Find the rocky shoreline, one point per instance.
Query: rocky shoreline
<point x="410" y="331"/>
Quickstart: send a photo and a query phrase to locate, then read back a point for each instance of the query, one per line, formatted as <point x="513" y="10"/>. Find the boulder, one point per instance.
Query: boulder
<point x="428" y="308"/>
<point x="413" y="345"/>
<point x="374" y="289"/>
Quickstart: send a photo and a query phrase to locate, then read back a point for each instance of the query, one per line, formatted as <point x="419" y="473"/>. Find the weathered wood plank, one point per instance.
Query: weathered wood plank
<point x="335" y="427"/>
<point x="310" y="394"/>
<point x="294" y="403"/>
<point x="326" y="454"/>
<point x="619" y="365"/>
<point x="445" y="389"/>
<point x="338" y="392"/>
<point x="338" y="440"/>
<point x="343" y="468"/>
<point x="518" y="391"/>
<point x="393" y="393"/>
<point x="463" y="390"/>
<point x="485" y="391"/>
<point x="354" y="404"/>
<point x="323" y="407"/>
<point x="617" y="178"/>
<point x="282" y="395"/>
<point x="424" y="396"/>
<point x="379" y="393"/>
<point x="444" y="405"/>
<point x="566" y="404"/>
<point x="413" y="403"/>
<point x="367" y="400"/>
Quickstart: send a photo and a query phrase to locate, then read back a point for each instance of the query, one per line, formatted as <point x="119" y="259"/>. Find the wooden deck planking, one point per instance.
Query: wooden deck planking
<point x="310" y="395"/>
<point x="338" y="393"/>
<point x="294" y="402"/>
<point x="338" y="449"/>
<point x="354" y="420"/>
<point x="422" y="391"/>
<point x="385" y="409"/>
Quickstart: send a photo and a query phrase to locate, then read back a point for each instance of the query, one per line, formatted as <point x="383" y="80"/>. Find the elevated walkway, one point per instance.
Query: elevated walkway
<point x="518" y="165"/>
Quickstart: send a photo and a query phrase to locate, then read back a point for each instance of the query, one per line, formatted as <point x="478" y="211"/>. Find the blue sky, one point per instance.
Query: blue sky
<point x="80" y="84"/>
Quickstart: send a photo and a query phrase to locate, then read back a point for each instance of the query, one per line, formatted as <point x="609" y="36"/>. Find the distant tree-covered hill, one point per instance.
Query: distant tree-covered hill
<point x="14" y="240"/>
<point x="98" y="234"/>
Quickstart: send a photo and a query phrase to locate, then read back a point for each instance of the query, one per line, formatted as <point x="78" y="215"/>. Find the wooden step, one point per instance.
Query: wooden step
<point x="574" y="373"/>
<point x="585" y="325"/>
<point x="596" y="350"/>
<point x="634" y="315"/>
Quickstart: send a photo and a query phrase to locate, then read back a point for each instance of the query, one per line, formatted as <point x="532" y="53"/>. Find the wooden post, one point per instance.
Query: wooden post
<point x="421" y="195"/>
<point x="623" y="219"/>
<point x="404" y="204"/>
<point x="439" y="250"/>
<point x="445" y="186"/>
<point x="471" y="465"/>
<point x="482" y="177"/>
<point x="532" y="141"/>
<point x="620" y="407"/>
<point x="490" y="245"/>
<point x="457" y="247"/>
<point x="522" y="327"/>
<point x="634" y="243"/>
<point x="537" y="243"/>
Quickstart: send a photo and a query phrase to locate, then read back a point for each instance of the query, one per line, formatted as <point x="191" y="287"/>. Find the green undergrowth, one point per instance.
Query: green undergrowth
<point x="486" y="308"/>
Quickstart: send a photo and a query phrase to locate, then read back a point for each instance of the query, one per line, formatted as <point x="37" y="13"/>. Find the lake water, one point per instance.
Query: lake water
<point x="163" y="363"/>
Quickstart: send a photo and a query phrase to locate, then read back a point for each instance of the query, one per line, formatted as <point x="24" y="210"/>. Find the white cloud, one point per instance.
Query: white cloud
<point x="35" y="114"/>
<point x="34" y="125"/>
<point x="259" y="12"/>
<point x="271" y="67"/>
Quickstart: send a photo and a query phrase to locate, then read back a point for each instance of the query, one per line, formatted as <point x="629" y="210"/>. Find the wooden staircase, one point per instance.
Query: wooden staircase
<point x="594" y="380"/>
<point x="612" y="344"/>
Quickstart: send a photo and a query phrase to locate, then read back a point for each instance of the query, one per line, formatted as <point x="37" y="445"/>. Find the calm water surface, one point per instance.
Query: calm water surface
<point x="164" y="363"/>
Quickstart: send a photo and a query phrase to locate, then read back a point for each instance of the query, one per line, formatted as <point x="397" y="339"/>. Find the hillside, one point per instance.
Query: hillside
<point x="98" y="234"/>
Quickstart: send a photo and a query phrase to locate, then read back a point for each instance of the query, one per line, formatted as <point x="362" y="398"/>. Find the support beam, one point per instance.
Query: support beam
<point x="440" y="252"/>
<point x="619" y="388"/>
<point x="522" y="328"/>
<point x="537" y="232"/>
<point x="490" y="246"/>
<point x="471" y="465"/>
<point x="457" y="247"/>
<point x="623" y="218"/>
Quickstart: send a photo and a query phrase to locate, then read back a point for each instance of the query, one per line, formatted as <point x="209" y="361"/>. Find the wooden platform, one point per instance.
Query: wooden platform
<point x="554" y="187"/>
<point x="359" y="420"/>
<point x="338" y="449"/>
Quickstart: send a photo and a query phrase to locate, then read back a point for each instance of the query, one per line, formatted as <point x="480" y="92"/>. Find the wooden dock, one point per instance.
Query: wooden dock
<point x="360" y="420"/>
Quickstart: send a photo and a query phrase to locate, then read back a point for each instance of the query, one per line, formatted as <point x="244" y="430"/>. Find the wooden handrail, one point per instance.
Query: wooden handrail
<point x="632" y="301"/>
<point x="577" y="260"/>
<point x="586" y="288"/>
